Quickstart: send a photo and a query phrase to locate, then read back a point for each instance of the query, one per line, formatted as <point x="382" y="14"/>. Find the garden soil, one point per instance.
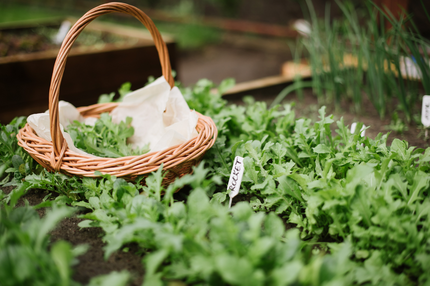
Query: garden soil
<point x="233" y="58"/>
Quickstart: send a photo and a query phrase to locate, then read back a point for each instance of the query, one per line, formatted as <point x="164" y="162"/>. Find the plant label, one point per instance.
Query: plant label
<point x="62" y="32"/>
<point x="363" y="131"/>
<point x="235" y="178"/>
<point x="425" y="113"/>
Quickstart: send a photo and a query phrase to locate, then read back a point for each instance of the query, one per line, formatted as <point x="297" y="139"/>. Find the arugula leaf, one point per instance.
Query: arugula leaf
<point x="13" y="159"/>
<point x="105" y="138"/>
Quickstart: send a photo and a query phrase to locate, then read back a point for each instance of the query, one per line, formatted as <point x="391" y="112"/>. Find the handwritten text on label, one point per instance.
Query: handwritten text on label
<point x="425" y="113"/>
<point x="235" y="177"/>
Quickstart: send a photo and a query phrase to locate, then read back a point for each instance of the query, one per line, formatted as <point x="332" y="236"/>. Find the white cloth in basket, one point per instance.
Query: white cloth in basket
<point x="161" y="117"/>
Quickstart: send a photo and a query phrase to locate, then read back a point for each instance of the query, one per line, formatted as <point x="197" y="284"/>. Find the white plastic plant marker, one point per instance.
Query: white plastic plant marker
<point x="62" y="32"/>
<point x="409" y="68"/>
<point x="425" y="113"/>
<point x="303" y="27"/>
<point x="363" y="131"/>
<point x="235" y="178"/>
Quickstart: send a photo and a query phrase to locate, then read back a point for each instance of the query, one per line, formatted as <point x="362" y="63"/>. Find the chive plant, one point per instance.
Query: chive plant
<point x="350" y="58"/>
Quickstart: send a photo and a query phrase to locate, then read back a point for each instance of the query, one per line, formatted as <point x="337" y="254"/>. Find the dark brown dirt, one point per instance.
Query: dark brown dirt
<point x="21" y="41"/>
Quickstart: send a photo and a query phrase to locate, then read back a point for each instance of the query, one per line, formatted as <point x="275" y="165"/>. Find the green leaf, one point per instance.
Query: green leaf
<point x="114" y="278"/>
<point x="106" y="98"/>
<point x="62" y="255"/>
<point x="421" y="181"/>
<point x="17" y="161"/>
<point x="154" y="260"/>
<point x="399" y="147"/>
<point x="219" y="197"/>
<point x="321" y="149"/>
<point x="288" y="273"/>
<point x="274" y="226"/>
<point x="49" y="222"/>
<point x="234" y="270"/>
<point x="86" y="223"/>
<point x="225" y="85"/>
<point x="290" y="187"/>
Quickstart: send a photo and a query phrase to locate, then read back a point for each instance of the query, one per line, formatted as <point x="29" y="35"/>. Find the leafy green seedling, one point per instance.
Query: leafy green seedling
<point x="105" y="138"/>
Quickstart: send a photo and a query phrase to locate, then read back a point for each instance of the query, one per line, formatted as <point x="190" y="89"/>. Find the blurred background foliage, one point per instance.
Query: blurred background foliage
<point x="182" y="18"/>
<point x="280" y="12"/>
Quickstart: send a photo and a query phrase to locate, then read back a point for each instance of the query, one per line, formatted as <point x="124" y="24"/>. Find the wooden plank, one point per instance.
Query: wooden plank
<point x="132" y="32"/>
<point x="259" y="83"/>
<point x="142" y="36"/>
<point x="25" y="24"/>
<point x="290" y="71"/>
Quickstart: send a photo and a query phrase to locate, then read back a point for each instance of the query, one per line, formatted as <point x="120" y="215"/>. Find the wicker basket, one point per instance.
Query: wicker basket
<point x="56" y="156"/>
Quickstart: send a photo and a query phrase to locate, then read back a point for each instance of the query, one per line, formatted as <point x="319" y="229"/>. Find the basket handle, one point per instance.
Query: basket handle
<point x="58" y="142"/>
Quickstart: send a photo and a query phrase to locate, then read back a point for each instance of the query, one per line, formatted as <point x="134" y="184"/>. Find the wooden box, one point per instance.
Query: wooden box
<point x="90" y="70"/>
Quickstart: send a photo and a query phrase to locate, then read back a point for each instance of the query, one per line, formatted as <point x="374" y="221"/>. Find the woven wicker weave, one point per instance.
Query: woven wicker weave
<point x="56" y="156"/>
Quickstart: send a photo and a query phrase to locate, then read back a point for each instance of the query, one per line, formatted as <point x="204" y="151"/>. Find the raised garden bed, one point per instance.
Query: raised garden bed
<point x="252" y="130"/>
<point x="307" y="104"/>
<point x="93" y="68"/>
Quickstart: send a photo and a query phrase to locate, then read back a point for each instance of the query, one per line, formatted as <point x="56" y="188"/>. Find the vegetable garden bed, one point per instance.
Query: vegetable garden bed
<point x="306" y="104"/>
<point x="358" y="204"/>
<point x="106" y="56"/>
<point x="319" y="204"/>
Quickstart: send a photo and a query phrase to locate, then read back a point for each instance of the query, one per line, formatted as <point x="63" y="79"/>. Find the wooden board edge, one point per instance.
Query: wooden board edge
<point x="261" y="83"/>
